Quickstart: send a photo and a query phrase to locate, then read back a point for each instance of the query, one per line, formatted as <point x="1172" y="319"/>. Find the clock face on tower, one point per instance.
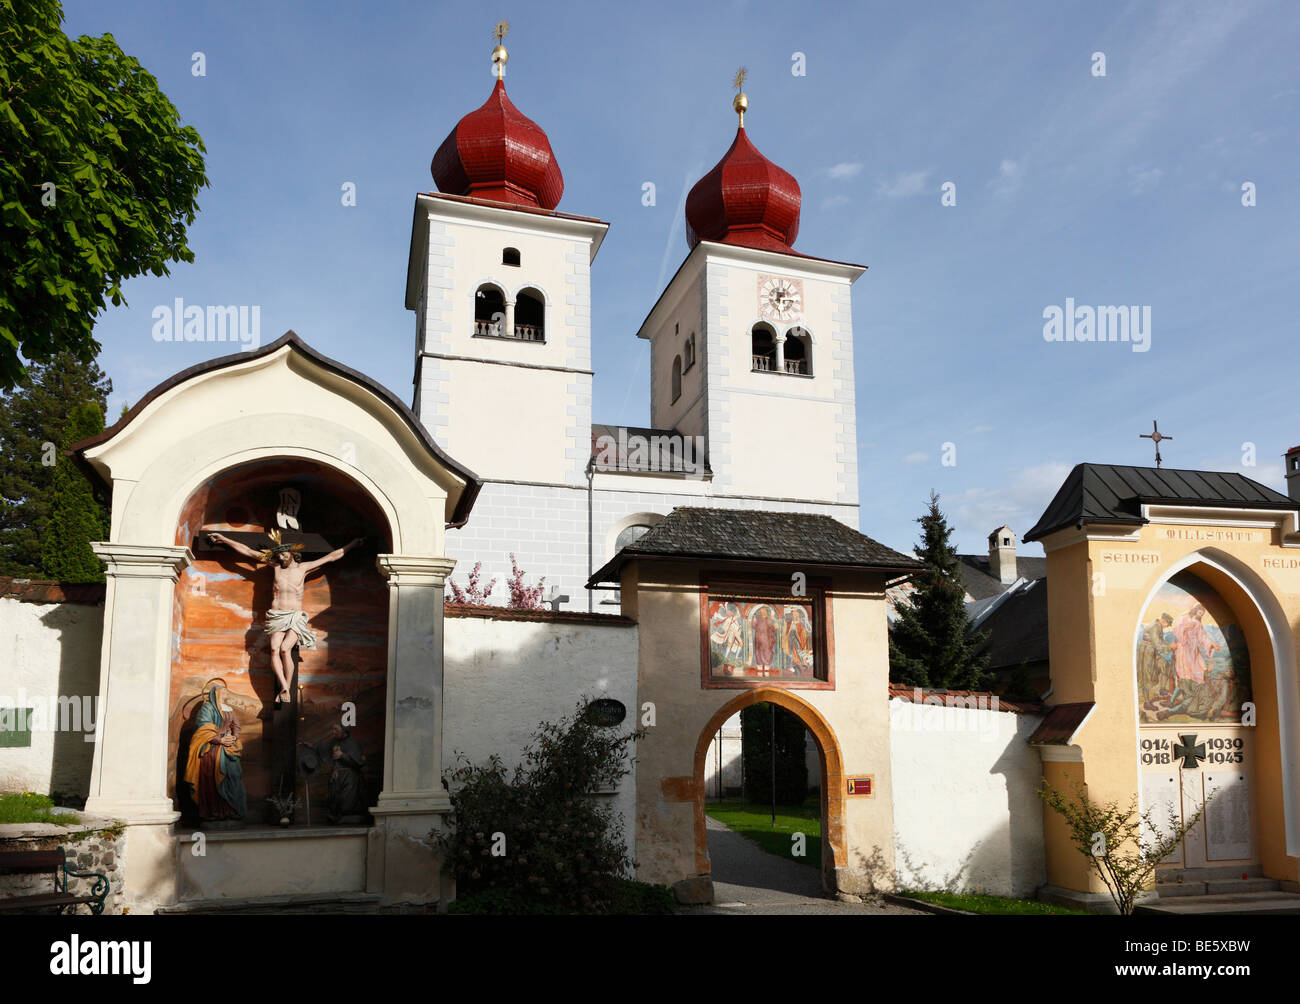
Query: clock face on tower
<point x="780" y="299"/>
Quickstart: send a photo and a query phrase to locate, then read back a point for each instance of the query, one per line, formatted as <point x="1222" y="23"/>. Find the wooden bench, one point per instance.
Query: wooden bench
<point x="56" y="863"/>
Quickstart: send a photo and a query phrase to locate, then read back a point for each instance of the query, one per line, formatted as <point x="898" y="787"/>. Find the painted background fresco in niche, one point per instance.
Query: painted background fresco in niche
<point x="761" y="639"/>
<point x="1192" y="661"/>
<point x="219" y="605"/>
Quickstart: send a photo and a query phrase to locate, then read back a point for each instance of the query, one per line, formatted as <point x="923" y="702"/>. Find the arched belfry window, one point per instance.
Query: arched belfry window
<point x="489" y="311"/>
<point x="510" y="256"/>
<point x="763" y="340"/>
<point x="530" y="316"/>
<point x="798" y="352"/>
<point x="677" y="377"/>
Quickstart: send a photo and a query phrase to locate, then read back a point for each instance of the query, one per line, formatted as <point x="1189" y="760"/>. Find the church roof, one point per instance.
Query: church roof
<point x="498" y="153"/>
<point x="1107" y="493"/>
<point x="1017" y="627"/>
<point x="748" y="535"/>
<point x="746" y="200"/>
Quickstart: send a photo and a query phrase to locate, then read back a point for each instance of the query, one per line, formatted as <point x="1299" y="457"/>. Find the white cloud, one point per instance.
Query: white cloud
<point x="833" y="201"/>
<point x="1141" y="180"/>
<point x="845" y="169"/>
<point x="1018" y="503"/>
<point x="977" y="430"/>
<point x="916" y="458"/>
<point x="907" y="184"/>
<point x="1008" y="180"/>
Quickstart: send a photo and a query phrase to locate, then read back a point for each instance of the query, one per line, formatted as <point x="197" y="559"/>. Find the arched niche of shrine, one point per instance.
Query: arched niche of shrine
<point x="220" y="603"/>
<point x="1196" y="715"/>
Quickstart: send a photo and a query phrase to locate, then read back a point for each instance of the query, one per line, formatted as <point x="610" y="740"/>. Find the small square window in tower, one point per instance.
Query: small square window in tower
<point x="510" y="256"/>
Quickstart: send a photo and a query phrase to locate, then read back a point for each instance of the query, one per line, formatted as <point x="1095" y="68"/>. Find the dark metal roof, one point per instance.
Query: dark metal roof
<point x="981" y="583"/>
<point x="749" y="535"/>
<point x="1107" y="493"/>
<point x="472" y="481"/>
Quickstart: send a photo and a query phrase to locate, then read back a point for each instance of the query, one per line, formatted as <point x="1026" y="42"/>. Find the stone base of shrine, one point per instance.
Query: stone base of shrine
<point x="1094" y="902"/>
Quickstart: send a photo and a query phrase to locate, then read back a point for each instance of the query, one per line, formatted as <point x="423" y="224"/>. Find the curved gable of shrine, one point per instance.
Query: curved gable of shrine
<point x="283" y="401"/>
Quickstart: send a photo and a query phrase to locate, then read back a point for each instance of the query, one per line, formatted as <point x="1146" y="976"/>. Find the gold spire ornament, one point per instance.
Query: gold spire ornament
<point x="499" y="54"/>
<point x="741" y="104"/>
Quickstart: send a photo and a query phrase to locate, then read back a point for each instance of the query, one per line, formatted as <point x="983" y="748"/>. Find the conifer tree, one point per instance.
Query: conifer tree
<point x="76" y="518"/>
<point x="35" y="428"/>
<point x="931" y="643"/>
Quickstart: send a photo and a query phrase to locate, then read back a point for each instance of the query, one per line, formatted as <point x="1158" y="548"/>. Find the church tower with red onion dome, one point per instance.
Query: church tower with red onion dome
<point x="751" y="344"/>
<point x="500" y="282"/>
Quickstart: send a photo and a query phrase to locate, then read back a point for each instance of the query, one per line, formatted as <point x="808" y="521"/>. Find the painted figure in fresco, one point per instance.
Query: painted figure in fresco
<point x="213" y="766"/>
<point x="796" y="640"/>
<point x="1155" y="663"/>
<point x="1194" y="647"/>
<point x="764" y="639"/>
<point x="347" y="796"/>
<point x="728" y="633"/>
<point x="286" y="621"/>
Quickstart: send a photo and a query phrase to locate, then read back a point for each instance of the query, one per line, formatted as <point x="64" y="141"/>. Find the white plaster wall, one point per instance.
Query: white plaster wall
<point x="966" y="811"/>
<point x="53" y="651"/>
<point x="502" y="678"/>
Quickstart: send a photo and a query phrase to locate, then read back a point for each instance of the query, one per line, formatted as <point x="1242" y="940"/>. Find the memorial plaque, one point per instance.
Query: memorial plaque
<point x="1161" y="794"/>
<point x="862" y="785"/>
<point x="1227" y="816"/>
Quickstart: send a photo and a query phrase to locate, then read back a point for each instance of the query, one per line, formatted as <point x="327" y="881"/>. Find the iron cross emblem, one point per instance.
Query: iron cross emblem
<point x="1190" y="750"/>
<point x="1157" y="437"/>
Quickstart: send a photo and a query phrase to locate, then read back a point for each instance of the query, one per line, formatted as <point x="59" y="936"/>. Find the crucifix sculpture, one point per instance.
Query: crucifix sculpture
<point x="286" y="621"/>
<point x="1156" y="436"/>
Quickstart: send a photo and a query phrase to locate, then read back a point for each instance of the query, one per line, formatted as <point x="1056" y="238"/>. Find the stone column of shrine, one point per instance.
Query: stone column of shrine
<point x="413" y="801"/>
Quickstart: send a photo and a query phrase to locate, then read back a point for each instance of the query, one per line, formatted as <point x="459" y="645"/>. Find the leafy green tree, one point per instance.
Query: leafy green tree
<point x="52" y="403"/>
<point x="76" y="518"/>
<point x="791" y="755"/>
<point x="98" y="183"/>
<point x="931" y="644"/>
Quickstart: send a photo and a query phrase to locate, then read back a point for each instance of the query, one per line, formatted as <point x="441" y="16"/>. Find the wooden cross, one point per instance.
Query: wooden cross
<point x="1156" y="437"/>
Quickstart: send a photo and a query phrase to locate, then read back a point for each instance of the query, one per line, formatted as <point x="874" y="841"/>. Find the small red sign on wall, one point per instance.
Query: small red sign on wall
<point x="861" y="785"/>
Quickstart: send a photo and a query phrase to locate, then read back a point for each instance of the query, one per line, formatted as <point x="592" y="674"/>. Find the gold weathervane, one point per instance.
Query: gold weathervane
<point x="1157" y="437"/>
<point x="741" y="104"/>
<point x="499" y="54"/>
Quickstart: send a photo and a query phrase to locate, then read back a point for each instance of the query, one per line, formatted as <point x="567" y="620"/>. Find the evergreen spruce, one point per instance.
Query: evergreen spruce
<point x="46" y="413"/>
<point x="931" y="643"/>
<point x="75" y="517"/>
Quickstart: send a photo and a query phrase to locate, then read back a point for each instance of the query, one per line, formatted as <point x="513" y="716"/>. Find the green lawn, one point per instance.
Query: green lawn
<point x="993" y="905"/>
<point x="755" y="824"/>
<point x="28" y="807"/>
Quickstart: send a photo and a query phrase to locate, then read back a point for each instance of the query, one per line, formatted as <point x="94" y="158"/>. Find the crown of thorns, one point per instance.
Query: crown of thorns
<point x="278" y="546"/>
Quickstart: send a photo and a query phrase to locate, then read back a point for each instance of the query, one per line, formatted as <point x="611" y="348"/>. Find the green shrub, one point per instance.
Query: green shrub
<point x="536" y="838"/>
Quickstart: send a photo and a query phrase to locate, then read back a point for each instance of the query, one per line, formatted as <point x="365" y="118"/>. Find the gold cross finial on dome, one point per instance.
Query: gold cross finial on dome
<point x="741" y="104"/>
<point x="499" y="54"/>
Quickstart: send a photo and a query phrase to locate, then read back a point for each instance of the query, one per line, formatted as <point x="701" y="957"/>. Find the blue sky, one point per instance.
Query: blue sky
<point x="1117" y="190"/>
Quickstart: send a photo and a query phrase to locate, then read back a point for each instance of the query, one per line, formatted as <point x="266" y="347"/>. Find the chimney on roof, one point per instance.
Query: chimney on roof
<point x="1292" y="466"/>
<point x="1002" y="555"/>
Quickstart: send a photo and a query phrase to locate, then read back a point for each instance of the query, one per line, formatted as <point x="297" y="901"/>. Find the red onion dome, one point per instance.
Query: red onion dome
<point x="745" y="199"/>
<point x="499" y="154"/>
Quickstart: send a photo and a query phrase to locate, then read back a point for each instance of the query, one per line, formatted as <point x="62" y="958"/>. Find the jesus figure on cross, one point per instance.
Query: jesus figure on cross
<point x="286" y="621"/>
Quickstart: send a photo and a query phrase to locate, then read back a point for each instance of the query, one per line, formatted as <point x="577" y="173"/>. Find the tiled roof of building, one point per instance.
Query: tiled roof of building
<point x="980" y="583"/>
<point x="637" y="450"/>
<point x="1106" y="493"/>
<point x="1061" y="724"/>
<point x="45" y="591"/>
<point x="1017" y="627"/>
<point x="757" y="536"/>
